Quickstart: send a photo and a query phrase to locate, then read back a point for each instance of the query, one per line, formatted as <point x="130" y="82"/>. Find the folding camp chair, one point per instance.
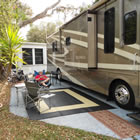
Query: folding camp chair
<point x="35" y="94"/>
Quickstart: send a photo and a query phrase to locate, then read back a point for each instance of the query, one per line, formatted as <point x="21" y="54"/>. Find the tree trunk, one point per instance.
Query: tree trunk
<point x="2" y="73"/>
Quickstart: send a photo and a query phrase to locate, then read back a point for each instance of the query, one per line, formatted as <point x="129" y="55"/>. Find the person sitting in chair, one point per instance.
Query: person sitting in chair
<point x="43" y="79"/>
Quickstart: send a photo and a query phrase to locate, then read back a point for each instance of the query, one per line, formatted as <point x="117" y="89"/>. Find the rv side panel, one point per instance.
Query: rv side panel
<point x="92" y="49"/>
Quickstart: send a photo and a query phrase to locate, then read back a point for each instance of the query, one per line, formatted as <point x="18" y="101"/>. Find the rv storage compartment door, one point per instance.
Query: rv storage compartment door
<point x="92" y="49"/>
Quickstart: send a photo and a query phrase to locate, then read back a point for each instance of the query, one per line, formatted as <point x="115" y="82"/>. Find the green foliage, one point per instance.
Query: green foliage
<point x="10" y="44"/>
<point x="67" y="10"/>
<point x="84" y="7"/>
<point x="13" y="12"/>
<point x="6" y="13"/>
<point x="22" y="11"/>
<point x="96" y="1"/>
<point x="39" y="33"/>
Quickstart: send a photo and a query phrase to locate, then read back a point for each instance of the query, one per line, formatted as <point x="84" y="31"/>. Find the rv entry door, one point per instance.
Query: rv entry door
<point x="92" y="49"/>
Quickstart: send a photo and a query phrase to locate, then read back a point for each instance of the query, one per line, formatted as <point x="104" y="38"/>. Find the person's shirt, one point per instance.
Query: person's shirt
<point x="41" y="77"/>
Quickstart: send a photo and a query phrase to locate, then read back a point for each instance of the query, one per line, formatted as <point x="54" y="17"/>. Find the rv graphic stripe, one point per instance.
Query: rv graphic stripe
<point x="74" y="41"/>
<point x="118" y="66"/>
<point x="54" y="58"/>
<point x="122" y="53"/>
<point x="76" y="32"/>
<point x="117" y="40"/>
<point x="80" y="43"/>
<point x="67" y="74"/>
<point x="55" y="38"/>
<point x="76" y="64"/>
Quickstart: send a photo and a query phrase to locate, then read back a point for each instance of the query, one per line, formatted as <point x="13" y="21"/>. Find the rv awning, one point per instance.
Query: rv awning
<point x="98" y="4"/>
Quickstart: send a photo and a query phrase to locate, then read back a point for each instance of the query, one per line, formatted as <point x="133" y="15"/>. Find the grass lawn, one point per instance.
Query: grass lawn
<point x="17" y="128"/>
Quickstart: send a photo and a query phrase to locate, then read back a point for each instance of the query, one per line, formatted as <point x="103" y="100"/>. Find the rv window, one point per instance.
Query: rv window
<point x="27" y="57"/>
<point x="130" y="27"/>
<point x="89" y="19"/>
<point x="109" y="31"/>
<point x="54" y="46"/>
<point x="68" y="41"/>
<point x="38" y="56"/>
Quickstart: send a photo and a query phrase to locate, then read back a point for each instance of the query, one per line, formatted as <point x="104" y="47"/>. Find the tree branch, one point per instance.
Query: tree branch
<point x="39" y="16"/>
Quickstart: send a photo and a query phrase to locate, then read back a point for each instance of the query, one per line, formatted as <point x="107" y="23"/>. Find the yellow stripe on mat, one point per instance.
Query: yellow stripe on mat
<point x="85" y="103"/>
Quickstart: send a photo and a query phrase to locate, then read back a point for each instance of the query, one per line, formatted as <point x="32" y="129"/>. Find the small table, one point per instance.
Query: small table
<point x="18" y="86"/>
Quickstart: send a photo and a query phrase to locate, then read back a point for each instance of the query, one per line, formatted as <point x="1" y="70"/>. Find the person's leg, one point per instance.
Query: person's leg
<point x="44" y="82"/>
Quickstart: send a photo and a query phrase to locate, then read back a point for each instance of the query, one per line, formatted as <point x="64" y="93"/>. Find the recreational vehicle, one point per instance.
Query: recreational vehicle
<point x="100" y="50"/>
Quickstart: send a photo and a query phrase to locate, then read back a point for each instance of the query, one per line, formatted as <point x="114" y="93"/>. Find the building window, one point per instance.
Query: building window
<point x="27" y="57"/>
<point x="109" y="31"/>
<point x="38" y="56"/>
<point x="68" y="41"/>
<point x="130" y="27"/>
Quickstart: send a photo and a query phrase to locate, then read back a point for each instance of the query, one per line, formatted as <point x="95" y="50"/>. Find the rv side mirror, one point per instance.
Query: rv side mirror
<point x="68" y="41"/>
<point x="53" y="47"/>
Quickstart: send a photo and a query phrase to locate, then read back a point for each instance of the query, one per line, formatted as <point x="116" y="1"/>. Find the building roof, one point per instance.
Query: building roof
<point x="34" y="43"/>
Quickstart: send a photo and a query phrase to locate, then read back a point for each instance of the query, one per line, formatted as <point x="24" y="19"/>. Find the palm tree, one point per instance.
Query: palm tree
<point x="10" y="44"/>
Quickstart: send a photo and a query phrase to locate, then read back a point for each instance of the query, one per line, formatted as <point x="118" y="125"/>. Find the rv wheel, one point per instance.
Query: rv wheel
<point x="123" y="95"/>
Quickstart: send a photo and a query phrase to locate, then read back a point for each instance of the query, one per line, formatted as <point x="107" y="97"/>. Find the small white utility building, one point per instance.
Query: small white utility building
<point x="36" y="57"/>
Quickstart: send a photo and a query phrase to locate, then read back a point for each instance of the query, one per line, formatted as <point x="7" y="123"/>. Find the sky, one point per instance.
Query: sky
<point x="38" y="6"/>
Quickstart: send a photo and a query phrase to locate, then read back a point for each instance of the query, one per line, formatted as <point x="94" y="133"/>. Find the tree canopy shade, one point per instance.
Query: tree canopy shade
<point x="96" y="1"/>
<point x="83" y="8"/>
<point x="40" y="15"/>
<point x="13" y="12"/>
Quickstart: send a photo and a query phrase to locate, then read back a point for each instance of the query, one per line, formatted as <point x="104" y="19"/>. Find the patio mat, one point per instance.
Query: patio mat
<point x="66" y="102"/>
<point x="121" y="127"/>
